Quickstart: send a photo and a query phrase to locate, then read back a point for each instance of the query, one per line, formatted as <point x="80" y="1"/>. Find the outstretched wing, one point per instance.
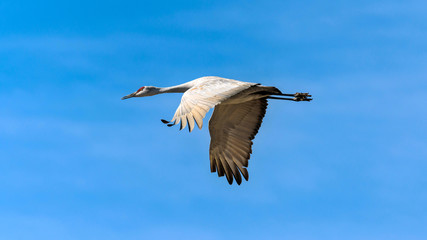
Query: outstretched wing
<point x="232" y="129"/>
<point x="197" y="101"/>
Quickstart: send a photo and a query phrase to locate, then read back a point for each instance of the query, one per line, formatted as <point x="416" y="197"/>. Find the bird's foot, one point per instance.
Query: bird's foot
<point x="302" y="97"/>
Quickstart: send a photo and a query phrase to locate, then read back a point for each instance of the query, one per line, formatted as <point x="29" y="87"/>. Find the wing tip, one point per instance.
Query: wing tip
<point x="168" y="123"/>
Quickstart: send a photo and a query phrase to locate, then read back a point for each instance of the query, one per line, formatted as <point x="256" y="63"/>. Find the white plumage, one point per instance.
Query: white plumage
<point x="239" y="110"/>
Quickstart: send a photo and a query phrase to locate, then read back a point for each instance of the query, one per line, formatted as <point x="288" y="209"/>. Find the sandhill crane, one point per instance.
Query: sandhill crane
<point x="237" y="117"/>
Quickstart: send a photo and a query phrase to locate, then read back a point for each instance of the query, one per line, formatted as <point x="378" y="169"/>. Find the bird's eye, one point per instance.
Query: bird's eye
<point x="140" y="89"/>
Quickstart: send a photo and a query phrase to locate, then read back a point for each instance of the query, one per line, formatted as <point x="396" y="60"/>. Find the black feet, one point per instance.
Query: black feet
<point x="302" y="97"/>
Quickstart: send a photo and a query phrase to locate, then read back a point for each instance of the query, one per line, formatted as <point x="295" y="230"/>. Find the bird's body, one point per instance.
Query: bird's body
<point x="237" y="117"/>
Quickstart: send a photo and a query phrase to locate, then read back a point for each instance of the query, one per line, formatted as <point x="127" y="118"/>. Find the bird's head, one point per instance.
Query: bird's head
<point x="143" y="92"/>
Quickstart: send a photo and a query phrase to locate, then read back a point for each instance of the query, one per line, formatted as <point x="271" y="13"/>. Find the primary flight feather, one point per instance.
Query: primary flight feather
<point x="237" y="117"/>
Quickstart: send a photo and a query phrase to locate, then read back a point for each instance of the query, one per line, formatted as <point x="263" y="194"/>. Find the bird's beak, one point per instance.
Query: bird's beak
<point x="128" y="96"/>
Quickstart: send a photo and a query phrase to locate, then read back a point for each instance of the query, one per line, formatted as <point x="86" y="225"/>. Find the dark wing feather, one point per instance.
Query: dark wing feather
<point x="232" y="129"/>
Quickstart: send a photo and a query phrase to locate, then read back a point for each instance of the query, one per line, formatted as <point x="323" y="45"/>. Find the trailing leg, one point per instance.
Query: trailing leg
<point x="297" y="97"/>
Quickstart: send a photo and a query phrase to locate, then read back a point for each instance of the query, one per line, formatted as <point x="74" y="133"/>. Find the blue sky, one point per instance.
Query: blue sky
<point x="79" y="163"/>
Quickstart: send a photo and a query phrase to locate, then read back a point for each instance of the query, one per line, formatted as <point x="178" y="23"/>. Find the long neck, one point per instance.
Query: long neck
<point x="176" y="89"/>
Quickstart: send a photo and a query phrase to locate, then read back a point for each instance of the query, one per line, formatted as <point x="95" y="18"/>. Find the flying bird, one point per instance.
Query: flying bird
<point x="237" y="117"/>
